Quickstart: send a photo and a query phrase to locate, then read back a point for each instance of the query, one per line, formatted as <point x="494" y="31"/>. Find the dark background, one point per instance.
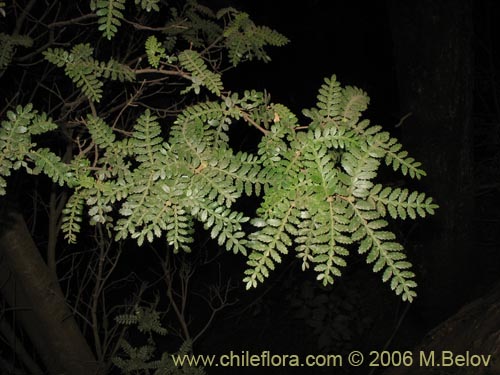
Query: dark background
<point x="351" y="41"/>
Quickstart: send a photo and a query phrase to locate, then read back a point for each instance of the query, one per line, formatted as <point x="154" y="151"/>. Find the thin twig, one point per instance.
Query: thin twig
<point x="248" y="119"/>
<point x="71" y="21"/>
<point x="22" y="17"/>
<point x="138" y="26"/>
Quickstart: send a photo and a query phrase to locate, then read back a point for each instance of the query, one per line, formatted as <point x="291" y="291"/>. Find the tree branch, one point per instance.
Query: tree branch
<point x="71" y="21"/>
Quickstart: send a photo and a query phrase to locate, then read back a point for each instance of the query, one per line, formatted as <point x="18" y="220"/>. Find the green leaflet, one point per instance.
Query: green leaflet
<point x="148" y="5"/>
<point x="86" y="72"/>
<point x="155" y="51"/>
<point x="72" y="217"/>
<point x="8" y="44"/>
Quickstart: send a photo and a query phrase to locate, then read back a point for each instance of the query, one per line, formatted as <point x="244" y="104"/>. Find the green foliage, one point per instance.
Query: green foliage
<point x="146" y="319"/>
<point x="196" y="24"/>
<point x="245" y="41"/>
<point x="8" y="44"/>
<point x="226" y="29"/>
<point x="141" y="358"/>
<point x="148" y="5"/>
<point x="319" y="195"/>
<point x="110" y="13"/>
<point x="72" y="216"/>
<point x="317" y="182"/>
<point x="101" y="133"/>
<point x="325" y="200"/>
<point x="155" y="51"/>
<point x="17" y="149"/>
<point x="86" y="72"/>
<point x="200" y="74"/>
<point x="192" y="176"/>
<point x="51" y="164"/>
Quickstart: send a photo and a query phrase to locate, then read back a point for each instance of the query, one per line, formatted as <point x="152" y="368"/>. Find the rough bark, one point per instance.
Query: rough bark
<point x="433" y="54"/>
<point x="30" y="288"/>
<point x="11" y="339"/>
<point x="474" y="329"/>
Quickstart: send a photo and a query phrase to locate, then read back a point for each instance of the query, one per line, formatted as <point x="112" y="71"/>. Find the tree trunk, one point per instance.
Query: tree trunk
<point x="474" y="329"/>
<point x="29" y="287"/>
<point x="433" y="54"/>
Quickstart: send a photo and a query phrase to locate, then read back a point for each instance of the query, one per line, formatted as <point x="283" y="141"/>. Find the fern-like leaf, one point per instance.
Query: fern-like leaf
<point x="325" y="212"/>
<point x="147" y="320"/>
<point x="72" y="216"/>
<point x="79" y="68"/>
<point x="179" y="229"/>
<point x="110" y="13"/>
<point x="115" y="71"/>
<point x="329" y="98"/>
<point x="245" y="41"/>
<point x="87" y="73"/>
<point x="224" y="224"/>
<point x="146" y="138"/>
<point x="269" y="243"/>
<point x="354" y="102"/>
<point x="155" y="51"/>
<point x="399" y="159"/>
<point x="50" y="164"/>
<point x="201" y="27"/>
<point x="101" y="133"/>
<point x="41" y="124"/>
<point x="326" y="181"/>
<point x="8" y="44"/>
<point x="201" y="75"/>
<point x="401" y="203"/>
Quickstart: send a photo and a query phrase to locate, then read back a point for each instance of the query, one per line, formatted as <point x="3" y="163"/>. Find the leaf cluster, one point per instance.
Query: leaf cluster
<point x="8" y="44"/>
<point x="86" y="72"/>
<point x="18" y="149"/>
<point x="142" y="358"/>
<point x="246" y="41"/>
<point x="323" y="200"/>
<point x="155" y="51"/>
